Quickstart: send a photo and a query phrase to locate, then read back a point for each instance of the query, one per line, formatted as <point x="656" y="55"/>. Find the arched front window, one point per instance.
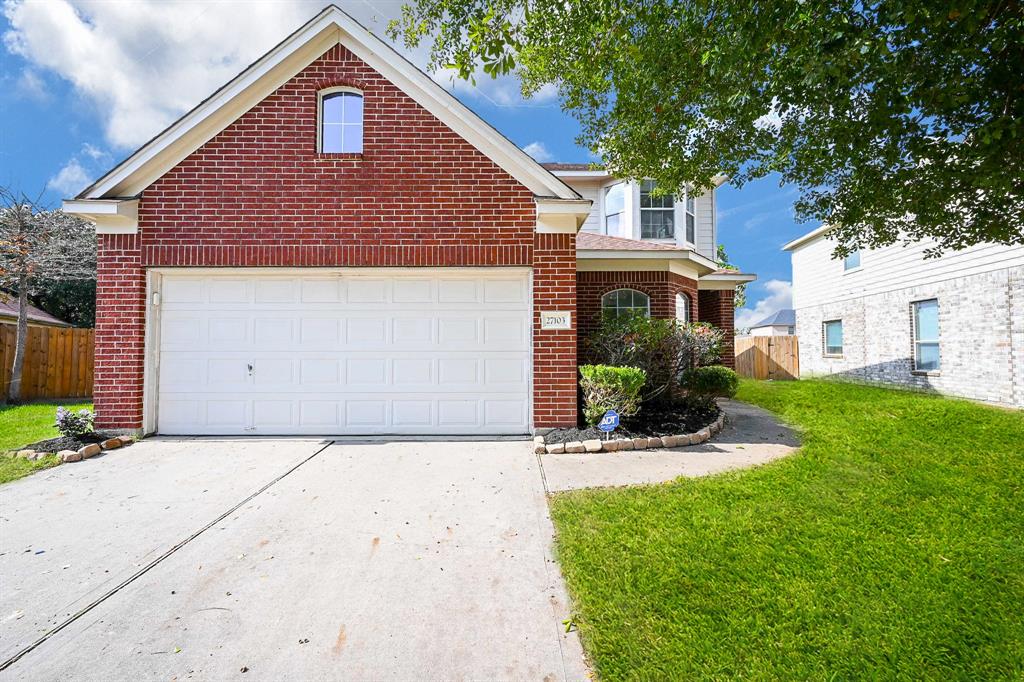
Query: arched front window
<point x="683" y="308"/>
<point x="341" y="122"/>
<point x="625" y="302"/>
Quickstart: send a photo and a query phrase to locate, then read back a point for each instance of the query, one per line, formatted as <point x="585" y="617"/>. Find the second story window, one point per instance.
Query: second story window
<point x="657" y="213"/>
<point x="614" y="206"/>
<point x="691" y="219"/>
<point x="852" y="262"/>
<point x="341" y="123"/>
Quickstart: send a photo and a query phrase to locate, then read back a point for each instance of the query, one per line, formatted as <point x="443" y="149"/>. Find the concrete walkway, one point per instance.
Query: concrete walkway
<point x="402" y="560"/>
<point x="751" y="436"/>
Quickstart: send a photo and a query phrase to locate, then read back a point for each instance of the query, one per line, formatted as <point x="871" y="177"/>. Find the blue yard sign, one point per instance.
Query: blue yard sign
<point x="610" y="421"/>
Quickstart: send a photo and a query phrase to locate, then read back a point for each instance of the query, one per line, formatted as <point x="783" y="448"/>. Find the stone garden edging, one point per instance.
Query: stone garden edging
<point x="618" y="444"/>
<point x="84" y="452"/>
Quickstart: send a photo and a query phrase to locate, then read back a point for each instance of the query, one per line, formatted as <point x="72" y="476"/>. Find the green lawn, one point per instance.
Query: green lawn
<point x="24" y="424"/>
<point x="890" y="547"/>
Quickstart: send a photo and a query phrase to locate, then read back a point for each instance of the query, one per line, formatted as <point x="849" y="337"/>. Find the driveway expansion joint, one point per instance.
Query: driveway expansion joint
<point x="154" y="563"/>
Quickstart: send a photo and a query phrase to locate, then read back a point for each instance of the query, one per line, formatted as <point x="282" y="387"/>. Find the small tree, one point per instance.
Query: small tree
<point x="722" y="259"/>
<point x="37" y="245"/>
<point x="662" y="348"/>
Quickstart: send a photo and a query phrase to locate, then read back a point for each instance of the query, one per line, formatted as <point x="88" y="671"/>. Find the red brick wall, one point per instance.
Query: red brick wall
<point x="554" y="351"/>
<point x="716" y="307"/>
<point x="259" y="194"/>
<point x="662" y="288"/>
<point x="120" y="335"/>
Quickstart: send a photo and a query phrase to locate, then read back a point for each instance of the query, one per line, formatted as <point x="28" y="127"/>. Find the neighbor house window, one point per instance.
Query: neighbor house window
<point x="657" y="213"/>
<point x="683" y="308"/>
<point x="614" y="206"/>
<point x="341" y="122"/>
<point x="625" y="302"/>
<point x="852" y="262"/>
<point x="833" y="333"/>
<point x="691" y="219"/>
<point x="926" y="335"/>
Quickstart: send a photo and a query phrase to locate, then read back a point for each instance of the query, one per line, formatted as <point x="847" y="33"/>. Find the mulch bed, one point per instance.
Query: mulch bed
<point x="68" y="442"/>
<point x="664" y="420"/>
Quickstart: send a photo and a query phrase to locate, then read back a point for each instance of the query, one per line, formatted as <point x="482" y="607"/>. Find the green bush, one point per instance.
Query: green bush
<point x="662" y="348"/>
<point x="713" y="381"/>
<point x="610" y="388"/>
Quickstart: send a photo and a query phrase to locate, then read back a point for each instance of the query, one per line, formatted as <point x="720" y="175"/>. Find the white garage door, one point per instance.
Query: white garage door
<point x="428" y="351"/>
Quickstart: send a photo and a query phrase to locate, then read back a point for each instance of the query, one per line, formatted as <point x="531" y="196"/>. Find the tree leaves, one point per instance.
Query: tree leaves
<point x="898" y="121"/>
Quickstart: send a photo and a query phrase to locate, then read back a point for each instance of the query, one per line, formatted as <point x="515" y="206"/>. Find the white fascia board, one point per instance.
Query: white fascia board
<point x="719" y="282"/>
<point x="111" y="216"/>
<point x="581" y="174"/>
<point x="809" y="237"/>
<point x="561" y="216"/>
<point x="660" y="254"/>
<point x="330" y="27"/>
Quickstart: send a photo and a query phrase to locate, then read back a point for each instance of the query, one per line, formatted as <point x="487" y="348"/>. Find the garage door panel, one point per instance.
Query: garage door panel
<point x="427" y="352"/>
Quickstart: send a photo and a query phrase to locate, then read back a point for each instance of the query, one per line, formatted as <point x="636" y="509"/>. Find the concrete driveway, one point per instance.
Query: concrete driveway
<point x="284" y="559"/>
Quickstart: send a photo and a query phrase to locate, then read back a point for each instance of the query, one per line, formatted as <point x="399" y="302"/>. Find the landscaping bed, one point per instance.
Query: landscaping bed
<point x="656" y="422"/>
<point x="69" y="442"/>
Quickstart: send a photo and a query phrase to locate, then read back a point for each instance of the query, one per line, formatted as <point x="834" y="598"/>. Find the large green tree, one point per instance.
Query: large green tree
<point x="899" y="120"/>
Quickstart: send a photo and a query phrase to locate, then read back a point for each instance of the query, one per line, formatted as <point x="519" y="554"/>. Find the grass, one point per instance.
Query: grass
<point x="890" y="547"/>
<point x="23" y="424"/>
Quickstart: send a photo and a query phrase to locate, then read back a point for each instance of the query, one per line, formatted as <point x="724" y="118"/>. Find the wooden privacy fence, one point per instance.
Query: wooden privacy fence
<point x="58" y="362"/>
<point x="768" y="357"/>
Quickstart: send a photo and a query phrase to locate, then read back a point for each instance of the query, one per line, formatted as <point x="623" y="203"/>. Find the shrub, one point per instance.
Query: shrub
<point x="715" y="381"/>
<point x="610" y="388"/>
<point x="662" y="348"/>
<point x="73" y="424"/>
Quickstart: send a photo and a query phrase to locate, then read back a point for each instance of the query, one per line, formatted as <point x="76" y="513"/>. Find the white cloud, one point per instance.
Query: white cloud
<point x="780" y="296"/>
<point x="144" y="63"/>
<point x="70" y="180"/>
<point x="80" y="170"/>
<point x="31" y="86"/>
<point x="538" y="151"/>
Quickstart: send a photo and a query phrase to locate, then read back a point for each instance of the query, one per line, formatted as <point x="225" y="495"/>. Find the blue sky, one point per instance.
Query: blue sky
<point x="86" y="82"/>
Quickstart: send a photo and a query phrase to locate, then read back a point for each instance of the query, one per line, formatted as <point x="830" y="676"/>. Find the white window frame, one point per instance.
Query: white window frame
<point x="671" y="209"/>
<point x="824" y="338"/>
<point x="917" y="341"/>
<point x="846" y="262"/>
<point x="617" y="309"/>
<point x="683" y="303"/>
<point x="688" y="201"/>
<point x="622" y="214"/>
<point x="320" y="96"/>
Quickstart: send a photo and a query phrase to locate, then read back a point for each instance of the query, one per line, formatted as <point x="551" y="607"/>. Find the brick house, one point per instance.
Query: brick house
<point x="332" y="243"/>
<point x="952" y="324"/>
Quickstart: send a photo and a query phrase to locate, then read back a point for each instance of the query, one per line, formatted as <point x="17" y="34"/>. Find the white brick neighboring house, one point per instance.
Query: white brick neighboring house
<point x="873" y="317"/>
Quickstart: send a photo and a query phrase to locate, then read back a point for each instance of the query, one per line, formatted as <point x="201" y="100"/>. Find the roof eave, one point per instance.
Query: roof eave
<point x="645" y="254"/>
<point x="809" y="237"/>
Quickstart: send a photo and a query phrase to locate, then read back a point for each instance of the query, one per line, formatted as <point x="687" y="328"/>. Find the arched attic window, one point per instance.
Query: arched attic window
<point x="625" y="302"/>
<point x="341" y="121"/>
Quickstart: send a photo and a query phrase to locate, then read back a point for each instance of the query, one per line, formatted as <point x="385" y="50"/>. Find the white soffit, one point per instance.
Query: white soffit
<point x="111" y="216"/>
<point x="277" y="67"/>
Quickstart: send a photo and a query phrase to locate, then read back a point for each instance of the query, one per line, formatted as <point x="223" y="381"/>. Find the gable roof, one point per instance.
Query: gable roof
<point x="782" y="318"/>
<point x="330" y="27"/>
<point x="9" y="310"/>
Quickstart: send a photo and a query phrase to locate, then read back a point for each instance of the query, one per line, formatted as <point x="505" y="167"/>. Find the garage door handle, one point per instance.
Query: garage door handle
<point x="250" y="368"/>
